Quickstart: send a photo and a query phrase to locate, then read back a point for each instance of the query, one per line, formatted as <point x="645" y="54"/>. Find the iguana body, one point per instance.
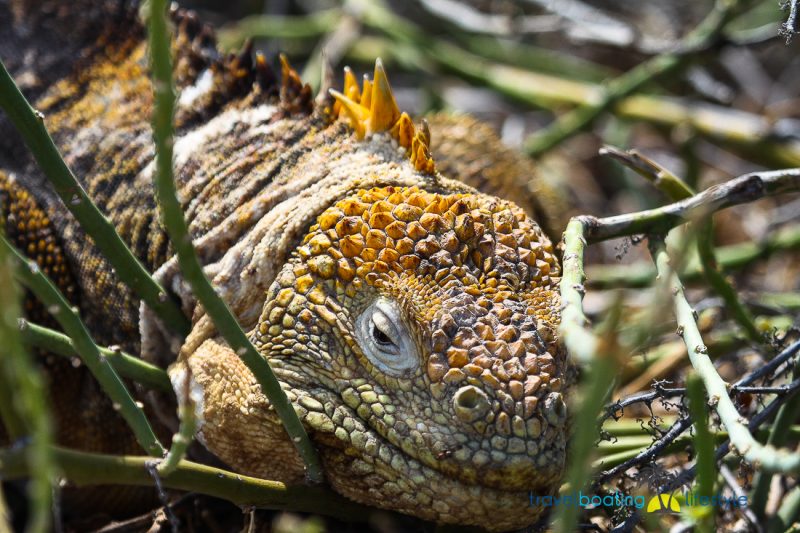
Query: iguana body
<point x="410" y="318"/>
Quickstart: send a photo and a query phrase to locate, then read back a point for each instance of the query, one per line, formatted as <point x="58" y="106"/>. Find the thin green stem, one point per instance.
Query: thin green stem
<point x="625" y="443"/>
<point x="595" y="392"/>
<point x="718" y="283"/>
<point x="578" y="120"/>
<point x="768" y="457"/>
<point x="30" y="124"/>
<point x="128" y="366"/>
<point x="32" y="277"/>
<point x="278" y="27"/>
<point x="611" y="460"/>
<point x="785" y="520"/>
<point x="626" y="447"/>
<point x="5" y="519"/>
<point x="703" y="446"/>
<point x="789" y="301"/>
<point x="625" y="429"/>
<point x="177" y="229"/>
<point x="629" y="427"/>
<point x="11" y="422"/>
<point x="27" y="402"/>
<point x="534" y="58"/>
<point x="183" y="438"/>
<point x="87" y="469"/>
<point x="667" y="182"/>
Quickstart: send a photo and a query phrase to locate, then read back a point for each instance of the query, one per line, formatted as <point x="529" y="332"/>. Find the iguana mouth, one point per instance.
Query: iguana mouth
<point x="399" y="482"/>
<point x="489" y="462"/>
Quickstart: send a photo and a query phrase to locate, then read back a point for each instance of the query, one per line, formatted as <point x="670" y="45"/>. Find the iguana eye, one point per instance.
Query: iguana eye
<point x="384" y="338"/>
<point x="382" y="331"/>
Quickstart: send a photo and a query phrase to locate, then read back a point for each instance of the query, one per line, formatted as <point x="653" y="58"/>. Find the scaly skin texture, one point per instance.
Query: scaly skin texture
<point x="303" y="227"/>
<point x="470" y="150"/>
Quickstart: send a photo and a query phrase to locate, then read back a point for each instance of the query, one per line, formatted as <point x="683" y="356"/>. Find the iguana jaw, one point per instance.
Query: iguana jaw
<point x="405" y="485"/>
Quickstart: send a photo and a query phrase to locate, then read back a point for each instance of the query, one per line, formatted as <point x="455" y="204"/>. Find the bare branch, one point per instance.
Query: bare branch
<point x="791" y="27"/>
<point x="737" y="191"/>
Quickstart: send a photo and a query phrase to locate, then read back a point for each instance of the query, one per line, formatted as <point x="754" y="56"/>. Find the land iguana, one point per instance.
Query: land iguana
<point x="410" y="318"/>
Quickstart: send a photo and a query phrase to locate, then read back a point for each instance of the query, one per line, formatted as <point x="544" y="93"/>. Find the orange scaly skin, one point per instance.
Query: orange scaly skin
<point x="410" y="318"/>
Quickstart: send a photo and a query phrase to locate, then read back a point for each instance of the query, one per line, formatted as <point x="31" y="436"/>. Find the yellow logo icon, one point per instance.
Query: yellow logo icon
<point x="663" y="503"/>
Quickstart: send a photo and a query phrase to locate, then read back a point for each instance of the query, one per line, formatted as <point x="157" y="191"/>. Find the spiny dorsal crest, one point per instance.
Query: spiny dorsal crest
<point x="372" y="109"/>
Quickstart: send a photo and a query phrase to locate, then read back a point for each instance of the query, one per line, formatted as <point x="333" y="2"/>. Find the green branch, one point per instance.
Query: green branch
<point x="534" y="58"/>
<point x="665" y="181"/>
<point x="704" y="448"/>
<point x="581" y="343"/>
<point x="785" y="520"/>
<point x="88" y="469"/>
<point x="595" y="391"/>
<point x="30" y="124"/>
<point x="627" y="448"/>
<point x="178" y="231"/>
<point x="596" y="386"/>
<point x="631" y="434"/>
<point x="128" y="366"/>
<point x="628" y="427"/>
<point x="723" y="289"/>
<point x="188" y="425"/>
<point x="34" y="279"/>
<point x="25" y="412"/>
<point x="5" y="516"/>
<point x="767" y="457"/>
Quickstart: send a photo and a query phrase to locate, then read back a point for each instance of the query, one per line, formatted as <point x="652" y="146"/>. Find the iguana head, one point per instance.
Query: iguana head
<point x="415" y="332"/>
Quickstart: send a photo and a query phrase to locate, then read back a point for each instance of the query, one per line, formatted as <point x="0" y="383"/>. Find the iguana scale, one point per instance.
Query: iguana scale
<point x="410" y="318"/>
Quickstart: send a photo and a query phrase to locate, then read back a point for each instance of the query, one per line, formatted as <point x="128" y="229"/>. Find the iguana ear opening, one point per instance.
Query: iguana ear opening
<point x="235" y="420"/>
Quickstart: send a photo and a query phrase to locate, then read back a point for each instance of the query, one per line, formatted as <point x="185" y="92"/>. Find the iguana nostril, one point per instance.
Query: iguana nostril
<point x="555" y="410"/>
<point x="470" y="403"/>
